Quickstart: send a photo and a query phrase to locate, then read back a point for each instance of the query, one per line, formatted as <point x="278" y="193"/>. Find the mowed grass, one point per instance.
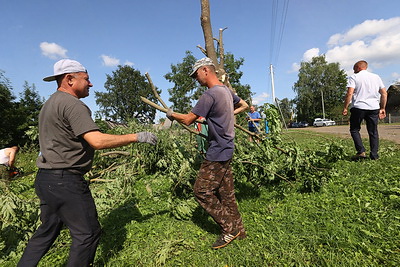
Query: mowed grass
<point x="354" y="220"/>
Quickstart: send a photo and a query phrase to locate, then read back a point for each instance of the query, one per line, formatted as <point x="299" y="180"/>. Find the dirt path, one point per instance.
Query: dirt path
<point x="386" y="131"/>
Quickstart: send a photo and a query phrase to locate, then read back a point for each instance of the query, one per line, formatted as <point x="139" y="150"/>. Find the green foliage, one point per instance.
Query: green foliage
<point x="122" y="101"/>
<point x="232" y="67"/>
<point x="27" y="113"/>
<point x="186" y="90"/>
<point x="7" y="108"/>
<point x="315" y="77"/>
<point x="303" y="202"/>
<point x="18" y="213"/>
<point x="287" y="108"/>
<point x="17" y="117"/>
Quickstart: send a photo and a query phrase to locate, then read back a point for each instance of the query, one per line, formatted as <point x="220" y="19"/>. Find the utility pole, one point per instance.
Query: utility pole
<point x="323" y="106"/>
<point x="272" y="83"/>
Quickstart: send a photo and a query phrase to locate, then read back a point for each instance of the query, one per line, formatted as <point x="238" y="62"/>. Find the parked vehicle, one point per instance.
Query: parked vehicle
<point x="303" y="124"/>
<point x="323" y="122"/>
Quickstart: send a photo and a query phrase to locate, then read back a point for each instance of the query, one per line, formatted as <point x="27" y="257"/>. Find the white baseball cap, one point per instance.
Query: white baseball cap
<point x="205" y="61"/>
<point x="64" y="66"/>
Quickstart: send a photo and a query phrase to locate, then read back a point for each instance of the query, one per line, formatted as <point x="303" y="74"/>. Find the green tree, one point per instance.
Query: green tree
<point x="287" y="107"/>
<point x="122" y="101"/>
<point x="319" y="79"/>
<point x="7" y="108"/>
<point x="232" y="67"/>
<point x="27" y="113"/>
<point x="186" y="90"/>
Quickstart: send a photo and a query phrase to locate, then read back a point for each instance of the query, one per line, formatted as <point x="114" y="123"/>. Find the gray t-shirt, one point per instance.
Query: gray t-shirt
<point x="217" y="105"/>
<point x="62" y="121"/>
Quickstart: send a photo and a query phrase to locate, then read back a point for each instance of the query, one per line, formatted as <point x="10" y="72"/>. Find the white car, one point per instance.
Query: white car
<point x="323" y="122"/>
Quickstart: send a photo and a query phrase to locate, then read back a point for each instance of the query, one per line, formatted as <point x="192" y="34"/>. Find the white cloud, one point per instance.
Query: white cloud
<point x="376" y="41"/>
<point x="295" y="67"/>
<point x="53" y="50"/>
<point x="307" y="56"/>
<point x="310" y="53"/>
<point x="260" y="99"/>
<point x="110" y="61"/>
<point x="128" y="63"/>
<point x="369" y="29"/>
<point x="396" y="76"/>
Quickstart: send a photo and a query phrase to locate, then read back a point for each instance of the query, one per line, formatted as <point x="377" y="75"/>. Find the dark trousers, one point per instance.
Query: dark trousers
<point x="371" y="118"/>
<point x="65" y="199"/>
<point x="214" y="190"/>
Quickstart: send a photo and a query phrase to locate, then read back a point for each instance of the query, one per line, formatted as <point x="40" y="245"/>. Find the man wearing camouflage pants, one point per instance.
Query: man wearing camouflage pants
<point x="214" y="189"/>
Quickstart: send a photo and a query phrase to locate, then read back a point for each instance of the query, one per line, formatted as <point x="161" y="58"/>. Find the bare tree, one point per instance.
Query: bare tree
<point x="209" y="39"/>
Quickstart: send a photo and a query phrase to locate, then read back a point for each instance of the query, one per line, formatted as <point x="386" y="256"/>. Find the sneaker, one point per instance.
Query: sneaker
<point x="359" y="156"/>
<point x="224" y="240"/>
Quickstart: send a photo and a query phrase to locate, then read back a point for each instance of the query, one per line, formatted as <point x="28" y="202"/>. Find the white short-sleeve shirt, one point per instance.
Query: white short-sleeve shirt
<point x="366" y="90"/>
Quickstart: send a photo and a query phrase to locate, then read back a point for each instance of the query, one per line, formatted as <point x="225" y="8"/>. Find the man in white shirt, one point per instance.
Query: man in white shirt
<point x="367" y="95"/>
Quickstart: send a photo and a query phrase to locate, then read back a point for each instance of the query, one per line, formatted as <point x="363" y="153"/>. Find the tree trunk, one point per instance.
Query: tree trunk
<point x="210" y="50"/>
<point x="205" y="20"/>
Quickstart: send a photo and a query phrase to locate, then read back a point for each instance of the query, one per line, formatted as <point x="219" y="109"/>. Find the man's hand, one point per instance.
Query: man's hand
<point x="344" y="112"/>
<point x="147" y="137"/>
<point x="382" y="113"/>
<point x="169" y="114"/>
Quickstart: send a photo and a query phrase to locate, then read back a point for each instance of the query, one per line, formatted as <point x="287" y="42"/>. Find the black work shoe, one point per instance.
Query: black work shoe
<point x="224" y="240"/>
<point x="359" y="156"/>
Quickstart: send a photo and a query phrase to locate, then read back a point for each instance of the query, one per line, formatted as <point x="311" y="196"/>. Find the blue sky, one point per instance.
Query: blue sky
<point x="153" y="34"/>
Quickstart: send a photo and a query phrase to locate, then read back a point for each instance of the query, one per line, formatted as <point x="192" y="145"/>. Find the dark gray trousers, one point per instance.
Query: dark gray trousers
<point x="65" y="199"/>
<point x="371" y="118"/>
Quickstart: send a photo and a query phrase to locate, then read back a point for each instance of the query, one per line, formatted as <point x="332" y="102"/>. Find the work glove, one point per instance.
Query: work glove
<point x="169" y="114"/>
<point x="147" y="137"/>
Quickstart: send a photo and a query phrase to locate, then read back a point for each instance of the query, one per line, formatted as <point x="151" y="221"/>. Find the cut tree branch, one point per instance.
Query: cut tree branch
<point x="154" y="105"/>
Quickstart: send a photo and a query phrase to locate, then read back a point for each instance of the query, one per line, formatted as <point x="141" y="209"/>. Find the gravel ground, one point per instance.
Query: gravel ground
<point x="386" y="131"/>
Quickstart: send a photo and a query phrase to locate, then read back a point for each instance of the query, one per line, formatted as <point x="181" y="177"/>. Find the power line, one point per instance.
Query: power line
<point x="276" y="37"/>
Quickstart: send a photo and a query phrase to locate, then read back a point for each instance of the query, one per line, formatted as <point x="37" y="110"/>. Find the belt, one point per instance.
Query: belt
<point x="61" y="171"/>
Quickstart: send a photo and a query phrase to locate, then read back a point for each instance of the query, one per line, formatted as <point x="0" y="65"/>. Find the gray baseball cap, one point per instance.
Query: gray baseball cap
<point x="205" y="61"/>
<point x="64" y="66"/>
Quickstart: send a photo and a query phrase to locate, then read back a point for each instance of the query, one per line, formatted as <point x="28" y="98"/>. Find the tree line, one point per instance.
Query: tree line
<point x="123" y="87"/>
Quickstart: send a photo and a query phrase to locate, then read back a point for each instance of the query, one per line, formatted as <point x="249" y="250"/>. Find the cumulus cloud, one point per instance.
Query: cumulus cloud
<point x="262" y="98"/>
<point x="53" y="50"/>
<point x="128" y="63"/>
<point x="396" y="76"/>
<point x="310" y="53"/>
<point x="295" y="67"/>
<point x="376" y="41"/>
<point x="109" y="61"/>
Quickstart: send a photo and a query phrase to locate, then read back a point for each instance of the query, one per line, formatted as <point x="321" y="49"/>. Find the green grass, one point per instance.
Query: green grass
<point x="354" y="220"/>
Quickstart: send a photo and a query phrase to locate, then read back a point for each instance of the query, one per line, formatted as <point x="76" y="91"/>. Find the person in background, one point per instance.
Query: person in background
<point x="368" y="96"/>
<point x="202" y="143"/>
<point x="68" y="138"/>
<point x="7" y="161"/>
<point x="214" y="188"/>
<point x="8" y="156"/>
<point x="254" y="119"/>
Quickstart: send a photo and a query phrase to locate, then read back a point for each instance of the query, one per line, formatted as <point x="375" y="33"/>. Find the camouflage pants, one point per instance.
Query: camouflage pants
<point x="214" y="190"/>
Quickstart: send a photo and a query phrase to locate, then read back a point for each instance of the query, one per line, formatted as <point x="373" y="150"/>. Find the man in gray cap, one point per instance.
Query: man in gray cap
<point x="68" y="138"/>
<point x="214" y="188"/>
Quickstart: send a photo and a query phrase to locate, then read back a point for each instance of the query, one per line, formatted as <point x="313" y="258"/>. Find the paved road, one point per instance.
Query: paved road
<point x="386" y="131"/>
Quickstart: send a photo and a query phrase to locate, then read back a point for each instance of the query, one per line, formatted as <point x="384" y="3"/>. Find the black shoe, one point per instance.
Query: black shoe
<point x="359" y="156"/>
<point x="224" y="240"/>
